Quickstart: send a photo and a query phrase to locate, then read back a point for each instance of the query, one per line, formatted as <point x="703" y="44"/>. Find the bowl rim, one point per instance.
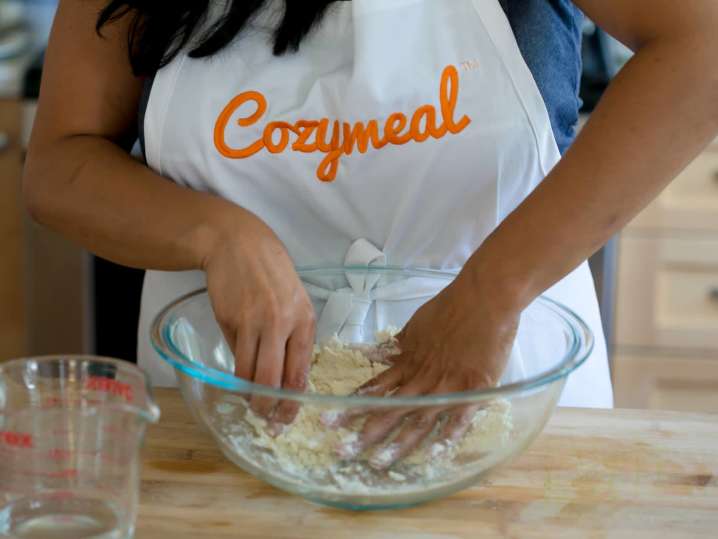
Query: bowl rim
<point x="578" y="350"/>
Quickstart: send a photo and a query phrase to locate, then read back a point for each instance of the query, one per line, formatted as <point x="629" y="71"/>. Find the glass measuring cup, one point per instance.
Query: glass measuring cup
<point x="70" y="432"/>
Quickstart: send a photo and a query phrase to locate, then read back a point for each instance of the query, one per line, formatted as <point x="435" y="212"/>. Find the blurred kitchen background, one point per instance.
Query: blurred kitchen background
<point x="657" y="281"/>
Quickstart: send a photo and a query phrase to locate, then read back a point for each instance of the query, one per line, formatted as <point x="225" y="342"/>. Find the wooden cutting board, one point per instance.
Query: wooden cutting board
<point x="591" y="474"/>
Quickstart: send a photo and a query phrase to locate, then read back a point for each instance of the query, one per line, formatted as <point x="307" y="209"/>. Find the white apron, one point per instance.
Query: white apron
<point x="402" y="132"/>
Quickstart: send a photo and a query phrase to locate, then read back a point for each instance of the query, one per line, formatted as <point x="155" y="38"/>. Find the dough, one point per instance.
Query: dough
<point x="308" y="449"/>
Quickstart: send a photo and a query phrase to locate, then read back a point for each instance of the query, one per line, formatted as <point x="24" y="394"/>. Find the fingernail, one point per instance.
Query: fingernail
<point x="384" y="457"/>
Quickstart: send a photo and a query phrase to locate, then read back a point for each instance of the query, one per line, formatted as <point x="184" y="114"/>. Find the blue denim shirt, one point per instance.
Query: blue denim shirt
<point x="549" y="35"/>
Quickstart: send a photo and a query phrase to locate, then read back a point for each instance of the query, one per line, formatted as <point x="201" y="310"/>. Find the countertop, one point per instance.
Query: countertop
<point x="591" y="474"/>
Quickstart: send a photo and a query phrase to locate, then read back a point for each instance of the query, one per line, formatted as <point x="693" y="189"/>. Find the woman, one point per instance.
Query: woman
<point x="408" y="132"/>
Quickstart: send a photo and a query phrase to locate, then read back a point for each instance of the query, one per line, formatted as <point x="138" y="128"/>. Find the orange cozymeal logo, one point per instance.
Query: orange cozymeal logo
<point x="316" y="136"/>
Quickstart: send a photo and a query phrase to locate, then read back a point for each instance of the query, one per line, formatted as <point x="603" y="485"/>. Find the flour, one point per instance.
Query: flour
<point x="314" y="450"/>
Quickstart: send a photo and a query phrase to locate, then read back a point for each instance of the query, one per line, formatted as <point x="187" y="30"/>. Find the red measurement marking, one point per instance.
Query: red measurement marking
<point x="106" y="385"/>
<point x="16" y="439"/>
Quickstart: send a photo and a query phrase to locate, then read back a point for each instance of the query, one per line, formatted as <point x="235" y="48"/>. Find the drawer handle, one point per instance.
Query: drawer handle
<point x="713" y="294"/>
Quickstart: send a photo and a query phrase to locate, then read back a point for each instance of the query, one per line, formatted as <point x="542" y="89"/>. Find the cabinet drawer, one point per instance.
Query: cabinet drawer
<point x="666" y="383"/>
<point x="690" y="202"/>
<point x="667" y="293"/>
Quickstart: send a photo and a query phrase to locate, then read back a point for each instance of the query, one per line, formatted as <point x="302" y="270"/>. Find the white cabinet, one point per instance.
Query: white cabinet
<point x="666" y="319"/>
<point x="667" y="382"/>
<point x="667" y="293"/>
<point x="690" y="203"/>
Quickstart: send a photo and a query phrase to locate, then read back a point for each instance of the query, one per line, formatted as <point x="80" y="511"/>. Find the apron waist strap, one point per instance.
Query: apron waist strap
<point x="346" y="309"/>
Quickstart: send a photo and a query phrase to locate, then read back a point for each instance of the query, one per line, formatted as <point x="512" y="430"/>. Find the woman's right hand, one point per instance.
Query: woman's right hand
<point x="263" y="309"/>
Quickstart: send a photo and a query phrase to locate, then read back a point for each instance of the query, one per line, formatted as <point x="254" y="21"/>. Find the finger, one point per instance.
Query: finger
<point x="230" y="336"/>
<point x="246" y="344"/>
<point x="379" y="427"/>
<point x="400" y="340"/>
<point x="380" y="385"/>
<point x="380" y="424"/>
<point x="457" y="424"/>
<point x="296" y="369"/>
<point x="417" y="428"/>
<point x="269" y="370"/>
<point x="385" y="352"/>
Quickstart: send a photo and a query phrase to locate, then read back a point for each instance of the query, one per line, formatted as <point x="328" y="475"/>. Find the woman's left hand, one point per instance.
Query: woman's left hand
<point x="458" y="341"/>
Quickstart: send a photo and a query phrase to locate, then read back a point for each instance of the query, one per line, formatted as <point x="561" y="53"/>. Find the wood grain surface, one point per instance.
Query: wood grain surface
<point x="591" y="474"/>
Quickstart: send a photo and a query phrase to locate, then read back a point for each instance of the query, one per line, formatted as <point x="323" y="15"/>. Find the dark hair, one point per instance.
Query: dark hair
<point x="161" y="28"/>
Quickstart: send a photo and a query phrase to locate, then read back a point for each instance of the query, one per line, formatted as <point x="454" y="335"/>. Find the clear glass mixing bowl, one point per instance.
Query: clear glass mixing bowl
<point x="356" y="303"/>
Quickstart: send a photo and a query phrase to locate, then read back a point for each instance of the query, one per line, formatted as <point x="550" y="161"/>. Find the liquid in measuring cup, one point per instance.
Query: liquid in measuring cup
<point x="71" y="481"/>
<point x="61" y="517"/>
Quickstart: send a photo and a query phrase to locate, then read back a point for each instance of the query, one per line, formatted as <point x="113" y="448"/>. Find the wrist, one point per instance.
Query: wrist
<point x="220" y="227"/>
<point x="499" y="279"/>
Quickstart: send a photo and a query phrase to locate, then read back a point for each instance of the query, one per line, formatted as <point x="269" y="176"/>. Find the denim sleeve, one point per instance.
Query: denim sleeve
<point x="549" y="33"/>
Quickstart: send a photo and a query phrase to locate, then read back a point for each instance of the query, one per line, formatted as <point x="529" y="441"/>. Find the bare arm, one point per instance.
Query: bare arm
<point x="657" y="115"/>
<point x="80" y="180"/>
